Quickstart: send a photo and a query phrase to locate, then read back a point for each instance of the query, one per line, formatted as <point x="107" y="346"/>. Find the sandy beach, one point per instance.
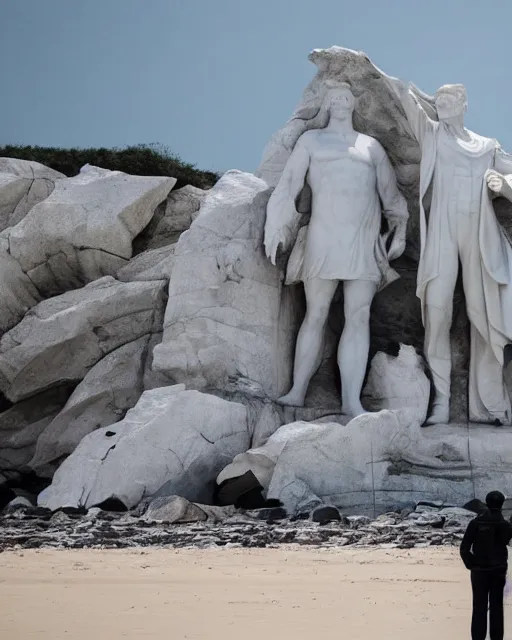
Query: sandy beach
<point x="233" y="594"/>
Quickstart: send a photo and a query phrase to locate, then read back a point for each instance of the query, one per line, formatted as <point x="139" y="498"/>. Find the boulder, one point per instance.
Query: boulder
<point x="169" y="222"/>
<point x="63" y="337"/>
<point x="84" y="229"/>
<point x="23" y="184"/>
<point x="223" y="326"/>
<point x="178" y="510"/>
<point x="173" y="442"/>
<point x="19" y="502"/>
<point x="174" y="510"/>
<point x="22" y="424"/>
<point x="150" y="265"/>
<point x="109" y="389"/>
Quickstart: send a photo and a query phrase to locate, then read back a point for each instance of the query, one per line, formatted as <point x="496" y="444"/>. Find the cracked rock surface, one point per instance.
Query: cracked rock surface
<point x="63" y="337"/>
<point x="23" y="184"/>
<point x="84" y="229"/>
<point x="172" y="442"/>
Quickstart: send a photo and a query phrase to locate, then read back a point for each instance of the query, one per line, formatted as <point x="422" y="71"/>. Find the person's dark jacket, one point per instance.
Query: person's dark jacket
<point x="484" y="546"/>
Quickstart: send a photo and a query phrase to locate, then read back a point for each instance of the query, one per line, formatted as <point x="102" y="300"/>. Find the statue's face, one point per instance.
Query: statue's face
<point x="341" y="102"/>
<point x="450" y="102"/>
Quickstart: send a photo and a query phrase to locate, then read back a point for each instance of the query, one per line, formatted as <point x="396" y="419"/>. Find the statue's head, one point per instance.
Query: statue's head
<point x="339" y="100"/>
<point x="451" y="101"/>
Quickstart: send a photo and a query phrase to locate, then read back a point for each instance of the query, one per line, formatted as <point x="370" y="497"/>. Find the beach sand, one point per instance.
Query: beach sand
<point x="360" y="594"/>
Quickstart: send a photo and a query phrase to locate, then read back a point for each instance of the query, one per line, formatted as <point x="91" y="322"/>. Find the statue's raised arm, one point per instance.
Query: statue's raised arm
<point x="414" y="103"/>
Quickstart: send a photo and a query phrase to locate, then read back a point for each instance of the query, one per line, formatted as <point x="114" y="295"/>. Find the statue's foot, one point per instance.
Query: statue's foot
<point x="291" y="399"/>
<point x="353" y="411"/>
<point x="440" y="412"/>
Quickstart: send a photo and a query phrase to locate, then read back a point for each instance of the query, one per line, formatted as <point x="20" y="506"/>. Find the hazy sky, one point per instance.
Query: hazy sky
<point x="213" y="79"/>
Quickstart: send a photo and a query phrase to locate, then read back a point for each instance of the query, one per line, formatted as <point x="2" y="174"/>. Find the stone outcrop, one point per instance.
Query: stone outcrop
<point x="173" y="442"/>
<point x="225" y="325"/>
<point x="155" y="264"/>
<point x="23" y="184"/>
<point x="63" y="337"/>
<point x="107" y="391"/>
<point x="169" y="222"/>
<point x="84" y="229"/>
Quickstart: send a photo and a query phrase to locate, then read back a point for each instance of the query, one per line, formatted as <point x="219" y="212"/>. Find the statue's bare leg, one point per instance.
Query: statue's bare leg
<point x="438" y="320"/>
<point x="355" y="343"/>
<point x="310" y="341"/>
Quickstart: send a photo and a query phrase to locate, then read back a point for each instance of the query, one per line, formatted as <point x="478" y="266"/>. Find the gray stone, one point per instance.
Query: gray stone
<point x="19" y="501"/>
<point x="173" y="442"/>
<point x="23" y="184"/>
<point x="85" y="228"/>
<point x="174" y="510"/>
<point x="22" y="424"/>
<point x="109" y="389"/>
<point x="181" y="209"/>
<point x="63" y="337"/>
<point x="151" y="265"/>
<point x="225" y="326"/>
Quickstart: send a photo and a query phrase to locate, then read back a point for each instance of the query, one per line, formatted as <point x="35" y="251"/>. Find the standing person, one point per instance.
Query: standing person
<point x="484" y="552"/>
<point x="353" y="185"/>
<point x="456" y="167"/>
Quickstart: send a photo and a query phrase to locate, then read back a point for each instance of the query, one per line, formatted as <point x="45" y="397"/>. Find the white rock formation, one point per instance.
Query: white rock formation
<point x="23" y="184"/>
<point x="222" y="326"/>
<point x="63" y="337"/>
<point x="84" y="229"/>
<point x="173" y="440"/>
<point x="108" y="390"/>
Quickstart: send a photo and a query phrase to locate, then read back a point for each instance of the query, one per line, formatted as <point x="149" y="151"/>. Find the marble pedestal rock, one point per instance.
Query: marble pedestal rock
<point x="173" y="442"/>
<point x="226" y="324"/>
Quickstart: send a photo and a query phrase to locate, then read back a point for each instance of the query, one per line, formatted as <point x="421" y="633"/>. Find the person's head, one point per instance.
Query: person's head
<point x="451" y="101"/>
<point x="494" y="500"/>
<point x="339" y="100"/>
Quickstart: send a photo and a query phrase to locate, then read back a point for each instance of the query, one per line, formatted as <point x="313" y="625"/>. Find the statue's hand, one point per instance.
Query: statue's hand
<point x="397" y="246"/>
<point x="272" y="242"/>
<point x="495" y="181"/>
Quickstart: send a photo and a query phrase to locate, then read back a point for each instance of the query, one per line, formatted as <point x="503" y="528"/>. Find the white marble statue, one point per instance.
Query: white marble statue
<point x="352" y="184"/>
<point x="459" y="166"/>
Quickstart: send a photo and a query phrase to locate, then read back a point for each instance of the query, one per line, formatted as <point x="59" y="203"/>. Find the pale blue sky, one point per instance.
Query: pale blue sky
<point x="213" y="79"/>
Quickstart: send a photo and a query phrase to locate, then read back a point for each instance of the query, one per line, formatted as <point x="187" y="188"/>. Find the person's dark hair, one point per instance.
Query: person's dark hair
<point x="494" y="500"/>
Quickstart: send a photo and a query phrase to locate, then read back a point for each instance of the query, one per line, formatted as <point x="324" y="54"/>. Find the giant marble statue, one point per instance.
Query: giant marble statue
<point x="460" y="168"/>
<point x="352" y="184"/>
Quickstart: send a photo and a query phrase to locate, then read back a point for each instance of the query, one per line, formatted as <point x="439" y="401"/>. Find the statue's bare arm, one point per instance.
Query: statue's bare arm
<point x="394" y="206"/>
<point x="282" y="217"/>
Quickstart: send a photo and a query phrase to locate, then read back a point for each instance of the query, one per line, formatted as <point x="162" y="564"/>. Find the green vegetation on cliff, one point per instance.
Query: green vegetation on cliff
<point x="142" y="160"/>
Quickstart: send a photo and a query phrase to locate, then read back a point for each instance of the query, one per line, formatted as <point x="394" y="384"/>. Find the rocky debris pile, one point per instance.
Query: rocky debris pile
<point x="178" y="523"/>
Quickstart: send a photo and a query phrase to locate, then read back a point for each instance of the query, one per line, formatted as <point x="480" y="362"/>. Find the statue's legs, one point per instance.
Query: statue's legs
<point x="354" y="345"/>
<point x="309" y="348"/>
<point x="438" y="313"/>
